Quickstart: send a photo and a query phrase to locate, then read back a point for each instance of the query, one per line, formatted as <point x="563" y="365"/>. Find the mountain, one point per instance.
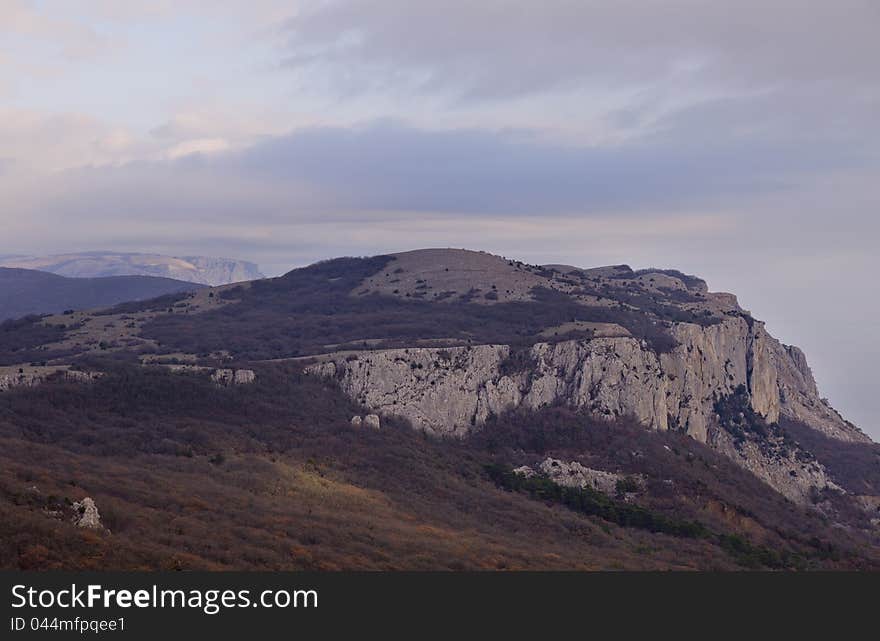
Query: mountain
<point x="429" y="409"/>
<point x="194" y="269"/>
<point x="26" y="291"/>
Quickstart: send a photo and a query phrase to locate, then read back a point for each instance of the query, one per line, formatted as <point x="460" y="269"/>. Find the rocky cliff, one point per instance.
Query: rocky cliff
<point x="449" y="391"/>
<point x="454" y="390"/>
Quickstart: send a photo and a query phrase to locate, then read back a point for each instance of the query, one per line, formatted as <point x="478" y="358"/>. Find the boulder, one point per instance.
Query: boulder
<point x="85" y="514"/>
<point x="229" y="377"/>
<point x="574" y="474"/>
<point x="525" y="471"/>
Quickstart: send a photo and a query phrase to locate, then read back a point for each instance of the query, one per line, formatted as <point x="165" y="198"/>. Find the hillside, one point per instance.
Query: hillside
<point x="625" y="419"/>
<point x="25" y="291"/>
<point x="195" y="269"/>
<point x="189" y="475"/>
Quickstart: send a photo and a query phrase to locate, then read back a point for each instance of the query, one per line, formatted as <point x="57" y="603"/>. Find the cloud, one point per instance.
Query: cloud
<point x="507" y="48"/>
<point x="198" y="146"/>
<point x="392" y="167"/>
<point x="35" y="141"/>
<point x="696" y="160"/>
<point x="28" y="26"/>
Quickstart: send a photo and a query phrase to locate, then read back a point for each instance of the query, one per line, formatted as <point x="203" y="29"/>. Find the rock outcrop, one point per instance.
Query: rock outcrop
<point x="370" y="421"/>
<point x="9" y="381"/>
<point x="574" y="474"/>
<point x="85" y="514"/>
<point x="33" y="376"/>
<point x="800" y="399"/>
<point x="229" y="377"/>
<point x="450" y="391"/>
<point x="525" y="471"/>
<point x="790" y="471"/>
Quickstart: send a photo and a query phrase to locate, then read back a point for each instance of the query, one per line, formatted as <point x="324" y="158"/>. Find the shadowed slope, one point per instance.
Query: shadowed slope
<point x="24" y="291"/>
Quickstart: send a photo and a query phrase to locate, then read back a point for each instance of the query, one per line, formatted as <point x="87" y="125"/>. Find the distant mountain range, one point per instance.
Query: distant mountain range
<point x="194" y="269"/>
<point x="27" y="291"/>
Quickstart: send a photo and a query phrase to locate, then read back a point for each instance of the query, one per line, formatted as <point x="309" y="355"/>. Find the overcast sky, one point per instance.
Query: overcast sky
<point x="736" y="140"/>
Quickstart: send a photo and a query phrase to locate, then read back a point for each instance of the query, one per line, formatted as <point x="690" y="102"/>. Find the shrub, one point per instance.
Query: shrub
<point x="627" y="484"/>
<point x="305" y="310"/>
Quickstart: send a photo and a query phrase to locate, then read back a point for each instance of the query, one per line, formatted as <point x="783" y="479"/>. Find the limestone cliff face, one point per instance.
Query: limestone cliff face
<point x="800" y="400"/>
<point x="450" y="391"/>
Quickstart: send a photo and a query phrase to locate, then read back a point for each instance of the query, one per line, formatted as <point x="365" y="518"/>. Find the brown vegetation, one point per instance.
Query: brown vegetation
<point x="308" y="309"/>
<point x="190" y="475"/>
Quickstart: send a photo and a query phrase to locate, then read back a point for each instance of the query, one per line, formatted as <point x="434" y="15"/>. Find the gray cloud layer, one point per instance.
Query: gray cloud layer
<point x="502" y="49"/>
<point x="343" y="172"/>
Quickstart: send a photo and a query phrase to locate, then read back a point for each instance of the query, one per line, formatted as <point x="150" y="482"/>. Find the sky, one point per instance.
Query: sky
<point x="739" y="141"/>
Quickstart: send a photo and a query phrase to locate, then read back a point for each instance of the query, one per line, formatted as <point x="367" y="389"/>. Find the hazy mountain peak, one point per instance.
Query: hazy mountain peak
<point x="195" y="269"/>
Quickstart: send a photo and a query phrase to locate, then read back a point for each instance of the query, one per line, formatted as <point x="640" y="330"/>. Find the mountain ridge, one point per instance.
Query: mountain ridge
<point x="25" y="291"/>
<point x="515" y="362"/>
<point x="197" y="269"/>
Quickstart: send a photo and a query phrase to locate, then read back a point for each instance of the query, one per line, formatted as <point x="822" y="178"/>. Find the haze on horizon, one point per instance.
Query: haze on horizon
<point x="739" y="141"/>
